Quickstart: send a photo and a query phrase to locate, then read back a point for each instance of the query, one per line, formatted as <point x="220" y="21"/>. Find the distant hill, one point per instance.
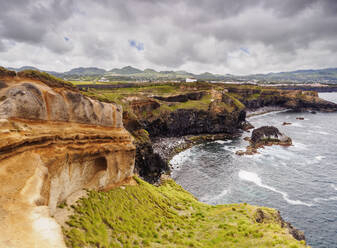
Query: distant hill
<point x="85" y="71"/>
<point x="130" y="73"/>
<point x="23" y="68"/>
<point x="328" y="75"/>
<point x="126" y="70"/>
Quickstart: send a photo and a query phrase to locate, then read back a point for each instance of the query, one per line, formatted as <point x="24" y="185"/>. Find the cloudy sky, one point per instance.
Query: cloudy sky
<point x="220" y="36"/>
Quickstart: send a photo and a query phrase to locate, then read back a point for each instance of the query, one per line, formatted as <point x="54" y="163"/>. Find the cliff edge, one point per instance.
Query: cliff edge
<point x="55" y="142"/>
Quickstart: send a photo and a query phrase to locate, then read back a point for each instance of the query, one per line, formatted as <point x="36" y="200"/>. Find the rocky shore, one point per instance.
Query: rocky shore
<point x="168" y="122"/>
<point x="167" y="147"/>
<point x="68" y="142"/>
<point x="265" y="136"/>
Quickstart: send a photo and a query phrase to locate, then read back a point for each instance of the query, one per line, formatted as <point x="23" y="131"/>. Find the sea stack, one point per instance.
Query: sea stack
<point x="265" y="136"/>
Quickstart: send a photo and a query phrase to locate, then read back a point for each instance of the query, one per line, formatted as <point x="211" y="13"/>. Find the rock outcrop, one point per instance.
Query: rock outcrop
<point x="182" y="97"/>
<point x="54" y="143"/>
<point x="265" y="136"/>
<point x="148" y="119"/>
<point x="256" y="97"/>
<point x="262" y="216"/>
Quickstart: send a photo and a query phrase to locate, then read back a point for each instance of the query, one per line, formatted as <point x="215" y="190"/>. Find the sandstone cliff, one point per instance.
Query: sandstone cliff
<point x="54" y="142"/>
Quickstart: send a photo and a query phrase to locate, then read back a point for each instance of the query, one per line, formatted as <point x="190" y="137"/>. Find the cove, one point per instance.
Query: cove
<point x="300" y="180"/>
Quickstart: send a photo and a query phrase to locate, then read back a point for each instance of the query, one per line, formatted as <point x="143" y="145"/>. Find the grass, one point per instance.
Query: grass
<point x="201" y="104"/>
<point x="81" y="82"/>
<point x="46" y="78"/>
<point x="168" y="216"/>
<point x="6" y="73"/>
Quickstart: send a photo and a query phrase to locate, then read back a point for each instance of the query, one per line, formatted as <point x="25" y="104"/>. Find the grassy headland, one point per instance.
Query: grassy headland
<point x="169" y="216"/>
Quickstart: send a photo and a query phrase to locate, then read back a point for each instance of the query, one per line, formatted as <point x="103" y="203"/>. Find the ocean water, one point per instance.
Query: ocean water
<point x="300" y="180"/>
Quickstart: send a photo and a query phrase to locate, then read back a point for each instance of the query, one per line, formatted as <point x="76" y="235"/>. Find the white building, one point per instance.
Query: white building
<point x="191" y="80"/>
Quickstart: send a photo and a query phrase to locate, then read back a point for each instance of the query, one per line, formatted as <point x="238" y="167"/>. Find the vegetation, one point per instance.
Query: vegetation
<point x="168" y="216"/>
<point x="46" y="78"/>
<point x="6" y="73"/>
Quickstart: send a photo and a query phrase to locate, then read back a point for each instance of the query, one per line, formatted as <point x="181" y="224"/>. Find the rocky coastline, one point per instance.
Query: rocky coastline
<point x="69" y="141"/>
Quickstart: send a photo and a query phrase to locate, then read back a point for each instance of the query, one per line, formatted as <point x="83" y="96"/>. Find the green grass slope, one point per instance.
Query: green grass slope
<point x="168" y="216"/>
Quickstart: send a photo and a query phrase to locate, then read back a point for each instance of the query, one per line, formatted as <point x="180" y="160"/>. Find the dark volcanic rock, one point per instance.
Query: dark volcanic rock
<point x="262" y="216"/>
<point x="286" y="123"/>
<point x="265" y="133"/>
<point x="297" y="234"/>
<point x="265" y="136"/>
<point x="190" y="121"/>
<point x="182" y="98"/>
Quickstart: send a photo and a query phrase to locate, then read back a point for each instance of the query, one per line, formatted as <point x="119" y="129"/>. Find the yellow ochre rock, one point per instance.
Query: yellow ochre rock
<point x="54" y="142"/>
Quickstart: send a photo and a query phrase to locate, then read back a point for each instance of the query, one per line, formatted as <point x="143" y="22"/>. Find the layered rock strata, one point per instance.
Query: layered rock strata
<point x="54" y="142"/>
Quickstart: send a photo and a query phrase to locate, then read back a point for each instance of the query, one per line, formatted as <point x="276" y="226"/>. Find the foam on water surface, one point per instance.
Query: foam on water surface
<point x="254" y="178"/>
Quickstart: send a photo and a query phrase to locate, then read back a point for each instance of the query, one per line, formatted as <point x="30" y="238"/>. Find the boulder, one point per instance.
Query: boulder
<point x="286" y="123"/>
<point x="269" y="135"/>
<point x="264" y="136"/>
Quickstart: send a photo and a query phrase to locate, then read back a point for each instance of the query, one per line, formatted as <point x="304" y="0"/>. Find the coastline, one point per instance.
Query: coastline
<point x="168" y="147"/>
<point x="264" y="110"/>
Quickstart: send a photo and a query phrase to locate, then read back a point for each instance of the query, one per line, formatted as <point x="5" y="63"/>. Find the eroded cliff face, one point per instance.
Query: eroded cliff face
<point x="254" y="97"/>
<point x="192" y="113"/>
<point x="54" y="142"/>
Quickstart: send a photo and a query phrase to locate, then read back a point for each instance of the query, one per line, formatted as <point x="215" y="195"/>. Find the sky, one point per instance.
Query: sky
<point x="219" y="36"/>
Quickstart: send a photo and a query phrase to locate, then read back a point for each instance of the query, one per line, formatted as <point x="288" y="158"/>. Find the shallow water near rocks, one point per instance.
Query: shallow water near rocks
<point x="300" y="181"/>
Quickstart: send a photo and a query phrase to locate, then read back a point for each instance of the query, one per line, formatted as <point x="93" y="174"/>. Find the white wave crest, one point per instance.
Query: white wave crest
<point x="319" y="158"/>
<point x="254" y="178"/>
<point x="180" y="158"/>
<point x="296" y="124"/>
<point x="333" y="186"/>
<point x="319" y="199"/>
<point x="223" y="141"/>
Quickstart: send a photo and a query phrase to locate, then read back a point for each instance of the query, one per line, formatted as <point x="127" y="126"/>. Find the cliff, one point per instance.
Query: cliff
<point x="254" y="97"/>
<point x="156" y="110"/>
<point x="60" y="148"/>
<point x="55" y="142"/>
<point x="172" y="110"/>
<point x="176" y="219"/>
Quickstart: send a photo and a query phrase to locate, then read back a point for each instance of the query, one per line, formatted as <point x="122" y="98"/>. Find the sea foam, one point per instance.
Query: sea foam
<point x="254" y="178"/>
<point x="211" y="199"/>
<point x="319" y="199"/>
<point x="223" y="141"/>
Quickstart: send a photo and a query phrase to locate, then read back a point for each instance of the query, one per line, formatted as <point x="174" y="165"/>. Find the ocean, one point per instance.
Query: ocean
<point x="300" y="180"/>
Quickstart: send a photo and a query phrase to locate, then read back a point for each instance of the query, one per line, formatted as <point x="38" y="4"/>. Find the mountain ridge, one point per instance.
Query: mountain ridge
<point x="325" y="75"/>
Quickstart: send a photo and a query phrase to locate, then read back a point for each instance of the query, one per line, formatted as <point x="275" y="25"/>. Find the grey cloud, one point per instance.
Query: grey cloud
<point x="176" y="33"/>
<point x="29" y="21"/>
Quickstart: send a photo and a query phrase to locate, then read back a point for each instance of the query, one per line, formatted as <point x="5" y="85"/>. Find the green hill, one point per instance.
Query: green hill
<point x="168" y="216"/>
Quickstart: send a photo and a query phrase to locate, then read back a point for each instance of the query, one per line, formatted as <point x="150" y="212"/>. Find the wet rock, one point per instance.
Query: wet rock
<point x="265" y="136"/>
<point x="240" y="152"/>
<point x="300" y="118"/>
<point x="246" y="126"/>
<point x="297" y="234"/>
<point x="269" y="135"/>
<point x="286" y="123"/>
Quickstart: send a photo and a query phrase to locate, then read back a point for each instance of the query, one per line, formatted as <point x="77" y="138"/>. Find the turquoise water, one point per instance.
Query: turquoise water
<point x="300" y="181"/>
